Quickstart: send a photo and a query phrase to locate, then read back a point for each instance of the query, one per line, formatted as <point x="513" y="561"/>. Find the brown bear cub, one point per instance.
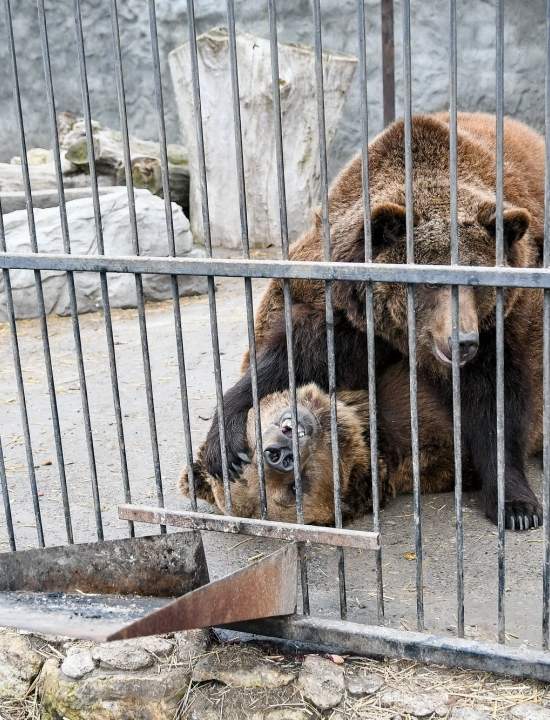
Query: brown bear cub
<point x="313" y="413"/>
<point x="523" y="193"/>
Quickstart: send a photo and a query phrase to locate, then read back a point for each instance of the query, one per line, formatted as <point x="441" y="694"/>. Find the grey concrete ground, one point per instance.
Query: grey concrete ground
<point x="524" y="551"/>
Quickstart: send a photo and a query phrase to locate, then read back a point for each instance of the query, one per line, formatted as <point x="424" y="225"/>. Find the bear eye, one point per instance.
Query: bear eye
<point x="431" y="286"/>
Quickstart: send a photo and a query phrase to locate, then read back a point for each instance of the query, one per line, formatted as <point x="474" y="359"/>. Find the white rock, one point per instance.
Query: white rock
<point x="19" y="665"/>
<point x="364" y="684"/>
<point x="322" y="682"/>
<point x="78" y="664"/>
<point x="465" y="713"/>
<point x="300" y="136"/>
<point x="417" y="704"/>
<point x="530" y="711"/>
<point x="122" y="655"/>
<point x="238" y="667"/>
<point x="117" y="238"/>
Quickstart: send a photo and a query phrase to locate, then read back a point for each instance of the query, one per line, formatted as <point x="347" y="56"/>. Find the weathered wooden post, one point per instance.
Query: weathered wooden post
<point x="300" y="138"/>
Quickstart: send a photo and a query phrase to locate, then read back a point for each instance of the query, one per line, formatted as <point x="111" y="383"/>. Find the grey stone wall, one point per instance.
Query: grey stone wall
<point x="524" y="59"/>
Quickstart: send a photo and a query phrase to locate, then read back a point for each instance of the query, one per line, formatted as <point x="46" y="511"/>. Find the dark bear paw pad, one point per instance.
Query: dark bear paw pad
<point x="518" y="517"/>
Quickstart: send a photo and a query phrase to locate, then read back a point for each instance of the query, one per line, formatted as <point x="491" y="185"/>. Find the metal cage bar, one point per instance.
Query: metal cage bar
<point x="411" y="314"/>
<point x="246" y="251"/>
<point x="329" y="309"/>
<point x="455" y="290"/>
<point x="159" y="101"/>
<point x="119" y="77"/>
<point x="83" y="74"/>
<point x="70" y="276"/>
<point x="546" y="356"/>
<point x="208" y="242"/>
<point x="41" y="313"/>
<point x="499" y="260"/>
<point x="371" y="347"/>
<point x="287" y="291"/>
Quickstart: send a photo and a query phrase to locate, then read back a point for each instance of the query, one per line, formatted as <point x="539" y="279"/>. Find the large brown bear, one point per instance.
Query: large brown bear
<point x="523" y="231"/>
<point x="313" y="413"/>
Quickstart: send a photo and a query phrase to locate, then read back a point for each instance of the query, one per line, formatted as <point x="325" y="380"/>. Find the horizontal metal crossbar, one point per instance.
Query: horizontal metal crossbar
<point x="286" y="269"/>
<point x="338" y="537"/>
<point x="376" y="641"/>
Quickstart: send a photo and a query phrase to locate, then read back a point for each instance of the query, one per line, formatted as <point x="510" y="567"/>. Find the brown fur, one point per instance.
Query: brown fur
<point x="522" y="233"/>
<point x="394" y="467"/>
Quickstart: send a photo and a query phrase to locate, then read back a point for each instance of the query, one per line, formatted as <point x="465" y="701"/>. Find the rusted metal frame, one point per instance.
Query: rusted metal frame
<point x="295" y="532"/>
<point x="264" y="589"/>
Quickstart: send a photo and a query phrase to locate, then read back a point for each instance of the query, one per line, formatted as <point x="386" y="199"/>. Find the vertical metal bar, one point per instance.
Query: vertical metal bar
<point x="371" y="349"/>
<point x="208" y="242"/>
<point x="41" y="311"/>
<point x="388" y="61"/>
<point x="287" y="294"/>
<point x="411" y="319"/>
<point x="329" y="310"/>
<point x="171" y="249"/>
<point x="455" y="260"/>
<point x="70" y="276"/>
<point x="10" y="310"/>
<point x="6" y="500"/>
<point x="135" y="242"/>
<point x="500" y="316"/>
<point x="101" y="250"/>
<point x="546" y="355"/>
<point x="246" y="249"/>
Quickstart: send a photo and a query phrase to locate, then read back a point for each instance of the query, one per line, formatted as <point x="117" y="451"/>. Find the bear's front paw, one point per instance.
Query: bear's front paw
<point x="522" y="514"/>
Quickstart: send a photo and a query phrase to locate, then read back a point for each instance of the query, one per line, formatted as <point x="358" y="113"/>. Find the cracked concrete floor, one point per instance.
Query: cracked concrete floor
<point x="524" y="551"/>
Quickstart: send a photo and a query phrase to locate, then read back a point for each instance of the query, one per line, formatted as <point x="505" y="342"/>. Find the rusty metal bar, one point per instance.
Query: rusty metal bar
<point x="295" y="532"/>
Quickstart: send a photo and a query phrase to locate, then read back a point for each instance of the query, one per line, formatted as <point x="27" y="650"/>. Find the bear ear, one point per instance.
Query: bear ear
<point x="388" y="222"/>
<point x="515" y="222"/>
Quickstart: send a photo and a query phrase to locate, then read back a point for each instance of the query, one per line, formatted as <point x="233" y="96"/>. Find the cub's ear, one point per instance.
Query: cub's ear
<point x="388" y="222"/>
<point x="515" y="222"/>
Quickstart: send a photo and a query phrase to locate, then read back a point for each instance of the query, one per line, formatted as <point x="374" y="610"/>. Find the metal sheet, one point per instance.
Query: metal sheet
<point x="249" y="526"/>
<point x="267" y="588"/>
<point x="81" y="617"/>
<point x="162" y="566"/>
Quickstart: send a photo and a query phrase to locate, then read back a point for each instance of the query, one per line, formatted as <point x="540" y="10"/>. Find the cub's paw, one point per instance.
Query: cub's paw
<point x="522" y="514"/>
<point x="237" y="455"/>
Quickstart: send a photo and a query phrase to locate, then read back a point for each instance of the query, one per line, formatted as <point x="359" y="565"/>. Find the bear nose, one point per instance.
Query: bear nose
<point x="278" y="454"/>
<point x="468" y="345"/>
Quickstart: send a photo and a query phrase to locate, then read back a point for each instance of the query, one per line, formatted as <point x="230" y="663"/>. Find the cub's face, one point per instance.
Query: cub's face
<point x="315" y="458"/>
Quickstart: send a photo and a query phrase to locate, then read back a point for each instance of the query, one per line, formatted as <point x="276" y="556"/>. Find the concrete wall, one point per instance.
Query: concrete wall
<point x="524" y="59"/>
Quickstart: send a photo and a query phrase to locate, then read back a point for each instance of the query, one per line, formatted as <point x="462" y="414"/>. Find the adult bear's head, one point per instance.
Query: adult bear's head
<point x="433" y="303"/>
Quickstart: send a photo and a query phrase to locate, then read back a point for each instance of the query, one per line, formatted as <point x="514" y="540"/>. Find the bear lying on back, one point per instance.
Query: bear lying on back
<point x="313" y="410"/>
<point x="523" y="232"/>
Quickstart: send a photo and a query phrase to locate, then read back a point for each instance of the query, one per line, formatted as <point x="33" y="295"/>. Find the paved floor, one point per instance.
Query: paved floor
<point x="524" y="551"/>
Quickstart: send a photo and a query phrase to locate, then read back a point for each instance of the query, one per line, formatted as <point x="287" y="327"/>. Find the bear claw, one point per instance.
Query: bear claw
<point x="520" y="521"/>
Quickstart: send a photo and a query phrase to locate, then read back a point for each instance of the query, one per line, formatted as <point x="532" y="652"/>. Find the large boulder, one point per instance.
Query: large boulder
<point x="117" y="238"/>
